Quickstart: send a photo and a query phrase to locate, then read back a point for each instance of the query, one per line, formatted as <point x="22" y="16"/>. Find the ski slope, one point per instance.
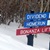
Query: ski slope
<point x="9" y="40"/>
<point x="8" y="43"/>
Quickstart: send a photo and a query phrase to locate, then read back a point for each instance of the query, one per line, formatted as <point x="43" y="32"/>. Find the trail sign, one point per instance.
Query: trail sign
<point x="37" y="16"/>
<point x="35" y="23"/>
<point x="45" y="24"/>
<point x="38" y="30"/>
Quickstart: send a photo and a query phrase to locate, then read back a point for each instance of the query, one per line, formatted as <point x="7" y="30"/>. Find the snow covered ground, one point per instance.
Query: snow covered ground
<point x="9" y="40"/>
<point x="8" y="43"/>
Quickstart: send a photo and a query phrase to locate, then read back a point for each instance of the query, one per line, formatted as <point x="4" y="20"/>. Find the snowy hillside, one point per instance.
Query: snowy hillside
<point x="8" y="43"/>
<point x="8" y="39"/>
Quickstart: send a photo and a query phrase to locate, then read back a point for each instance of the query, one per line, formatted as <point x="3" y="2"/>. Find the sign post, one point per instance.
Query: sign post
<point x="37" y="20"/>
<point x="30" y="37"/>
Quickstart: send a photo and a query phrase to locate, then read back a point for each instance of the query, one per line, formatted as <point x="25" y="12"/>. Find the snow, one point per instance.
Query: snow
<point x="8" y="43"/>
<point x="9" y="40"/>
<point x="0" y="14"/>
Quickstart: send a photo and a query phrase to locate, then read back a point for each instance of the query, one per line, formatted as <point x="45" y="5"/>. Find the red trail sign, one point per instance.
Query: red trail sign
<point x="38" y="30"/>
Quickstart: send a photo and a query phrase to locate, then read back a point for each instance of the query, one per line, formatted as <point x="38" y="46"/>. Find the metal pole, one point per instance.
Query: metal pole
<point x="30" y="37"/>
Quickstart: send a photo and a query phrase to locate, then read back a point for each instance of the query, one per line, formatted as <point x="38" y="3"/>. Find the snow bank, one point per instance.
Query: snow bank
<point x="8" y="43"/>
<point x="8" y="34"/>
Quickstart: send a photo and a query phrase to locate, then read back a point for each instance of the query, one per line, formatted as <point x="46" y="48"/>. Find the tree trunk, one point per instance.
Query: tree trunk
<point x="41" y="8"/>
<point x="47" y="6"/>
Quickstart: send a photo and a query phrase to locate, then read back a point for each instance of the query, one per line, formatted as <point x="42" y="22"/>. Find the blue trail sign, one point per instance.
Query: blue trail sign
<point x="37" y="16"/>
<point x="36" y="23"/>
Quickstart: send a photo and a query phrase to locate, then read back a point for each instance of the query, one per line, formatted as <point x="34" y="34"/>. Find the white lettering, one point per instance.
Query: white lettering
<point x="36" y="16"/>
<point x="35" y="23"/>
<point x="31" y="24"/>
<point x="43" y="23"/>
<point x="21" y="32"/>
<point x="38" y="30"/>
<point x="28" y="17"/>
